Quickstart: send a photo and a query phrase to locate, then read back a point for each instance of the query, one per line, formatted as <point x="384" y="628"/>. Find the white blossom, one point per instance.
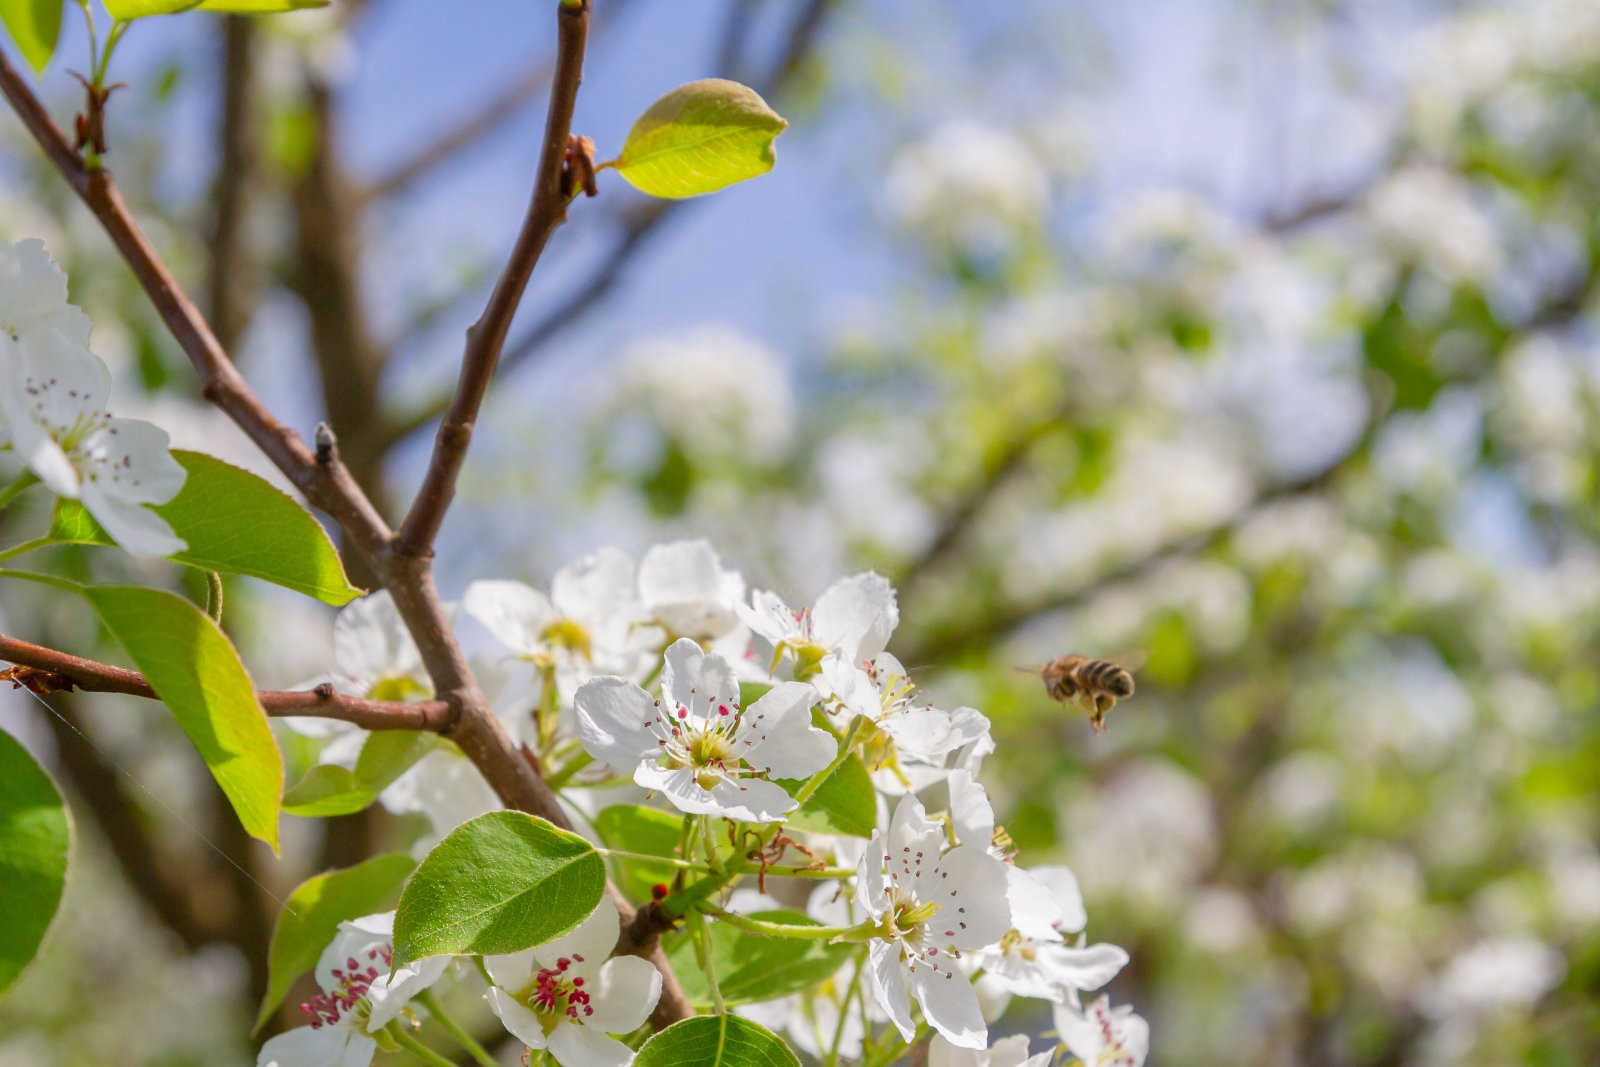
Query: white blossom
<point x="930" y="907"/>
<point x="850" y="624"/>
<point x="684" y="588"/>
<point x="1034" y="958"/>
<point x="361" y="994"/>
<point x="1007" y="1052"/>
<point x="53" y="395"/>
<point x="1101" y="1036"/>
<point x="696" y="744"/>
<point x="569" y="994"/>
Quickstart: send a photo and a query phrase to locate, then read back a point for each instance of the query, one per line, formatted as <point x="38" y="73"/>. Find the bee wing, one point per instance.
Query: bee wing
<point x="1130" y="659"/>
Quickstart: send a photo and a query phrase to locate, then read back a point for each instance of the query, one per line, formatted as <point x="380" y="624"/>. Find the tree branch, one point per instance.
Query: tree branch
<point x="486" y="337"/>
<point x="221" y="381"/>
<point x="230" y="286"/>
<point x="323" y="702"/>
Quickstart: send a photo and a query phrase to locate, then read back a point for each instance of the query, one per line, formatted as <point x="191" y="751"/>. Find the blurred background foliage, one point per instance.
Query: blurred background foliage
<point x="1259" y="338"/>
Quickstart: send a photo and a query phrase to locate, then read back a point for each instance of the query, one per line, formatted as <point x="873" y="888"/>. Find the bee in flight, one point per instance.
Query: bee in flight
<point x="1096" y="684"/>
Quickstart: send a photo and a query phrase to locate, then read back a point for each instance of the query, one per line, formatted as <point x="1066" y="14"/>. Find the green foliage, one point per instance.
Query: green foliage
<point x="750" y="967"/>
<point x="312" y="914"/>
<point x="135" y="9"/>
<point x="196" y="672"/>
<point x="501" y="883"/>
<point x="635" y="828"/>
<point x="716" y="1041"/>
<point x="329" y="789"/>
<point x="35" y="838"/>
<point x="699" y="138"/>
<point x="238" y="523"/>
<point x="845" y="803"/>
<point x="35" y="25"/>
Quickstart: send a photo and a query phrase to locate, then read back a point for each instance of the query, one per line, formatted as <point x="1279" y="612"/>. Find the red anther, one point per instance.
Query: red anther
<point x="577" y="981"/>
<point x="659" y="891"/>
<point x="722" y="709"/>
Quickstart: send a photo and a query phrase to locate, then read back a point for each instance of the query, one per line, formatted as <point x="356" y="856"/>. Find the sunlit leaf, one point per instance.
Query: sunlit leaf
<point x="716" y="1041"/>
<point x="700" y="138"/>
<point x="35" y="25"/>
<point x="501" y="883"/>
<point x="196" y="672"/>
<point x="751" y="967"/>
<point x="236" y="522"/>
<point x="35" y="837"/>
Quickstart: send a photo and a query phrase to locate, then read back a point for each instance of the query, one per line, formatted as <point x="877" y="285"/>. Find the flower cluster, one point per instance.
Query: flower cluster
<point x="666" y="680"/>
<point x="53" y="393"/>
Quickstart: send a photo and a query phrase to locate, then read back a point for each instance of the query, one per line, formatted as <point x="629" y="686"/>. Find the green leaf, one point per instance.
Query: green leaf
<point x="259" y="7"/>
<point x="750" y="967"/>
<point x="196" y="672"/>
<point x="716" y="1041"/>
<point x="35" y="25"/>
<point x="35" y="837"/>
<point x="501" y="883"/>
<point x="138" y="9"/>
<point x="328" y="789"/>
<point x="700" y="138"/>
<point x="844" y="804"/>
<point x="313" y="912"/>
<point x="236" y="522"/>
<point x="634" y="828"/>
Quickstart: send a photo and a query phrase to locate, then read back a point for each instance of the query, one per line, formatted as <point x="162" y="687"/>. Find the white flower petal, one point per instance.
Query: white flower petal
<point x="131" y="460"/>
<point x="515" y="613"/>
<point x="1084" y="969"/>
<point x="779" y="735"/>
<point x="684" y="585"/>
<point x="575" y="1045"/>
<point x="769" y="617"/>
<point x="523" y="1024"/>
<point x="888" y="982"/>
<point x="613" y="718"/>
<point x="872" y="891"/>
<point x="596" y="588"/>
<point x="133" y="526"/>
<point x="591" y="941"/>
<point x="1062" y="885"/>
<point x="391" y="993"/>
<point x="371" y="642"/>
<point x="969" y="885"/>
<point x="328" y="1046"/>
<point x="512" y="970"/>
<point x="361" y="940"/>
<point x="1102" y="1036"/>
<point x="970" y="810"/>
<point x="855" y="616"/>
<point x="751" y="800"/>
<point x="913" y="843"/>
<point x="625" y="993"/>
<point x="951" y="1005"/>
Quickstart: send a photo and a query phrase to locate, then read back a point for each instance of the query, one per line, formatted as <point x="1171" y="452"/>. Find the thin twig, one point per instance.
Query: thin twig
<point x="486" y="337"/>
<point x="323" y="702"/>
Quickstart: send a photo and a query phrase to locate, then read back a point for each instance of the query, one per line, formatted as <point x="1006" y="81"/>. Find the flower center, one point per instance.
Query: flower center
<point x="1015" y="942"/>
<point x="355" y="979"/>
<point x="907" y="915"/>
<point x="569" y="634"/>
<point x="555" y="995"/>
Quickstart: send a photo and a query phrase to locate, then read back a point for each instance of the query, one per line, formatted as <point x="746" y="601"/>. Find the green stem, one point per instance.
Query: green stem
<point x="26" y="546"/>
<point x="844" y="1013"/>
<point x="25" y="481"/>
<point x="43" y="579"/>
<point x="456" y="1030"/>
<point x="645" y="857"/>
<point x="703" y="954"/>
<point x="415" y="1047"/>
<point x="570" y="768"/>
<point x="214" y="596"/>
<point x="708" y="842"/>
<point x="118" y="28"/>
<point x="770" y="929"/>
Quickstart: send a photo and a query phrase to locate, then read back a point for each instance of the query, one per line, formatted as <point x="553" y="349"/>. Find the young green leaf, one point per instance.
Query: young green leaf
<point x="196" y="672"/>
<point x="259" y="7"/>
<point x="35" y="25"/>
<point x="844" y="804"/>
<point x="750" y="967"/>
<point x="35" y="837"/>
<point x="236" y="522"/>
<point x="716" y="1041"/>
<point x="138" y="9"/>
<point x="501" y="883"/>
<point x="313" y="912"/>
<point x="328" y="789"/>
<point x="700" y="138"/>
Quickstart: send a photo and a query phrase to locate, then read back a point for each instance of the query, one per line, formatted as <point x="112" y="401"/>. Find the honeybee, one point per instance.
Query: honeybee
<point x="1096" y="684"/>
